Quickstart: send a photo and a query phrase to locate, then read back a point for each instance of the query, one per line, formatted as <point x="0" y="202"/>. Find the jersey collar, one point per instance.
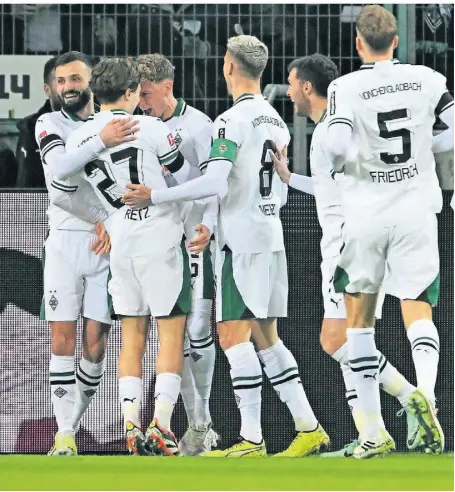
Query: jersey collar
<point x="243" y="97"/>
<point x="75" y="117"/>
<point x="369" y="65"/>
<point x="179" y="109"/>
<point x="323" y="117"/>
<point x="70" y="116"/>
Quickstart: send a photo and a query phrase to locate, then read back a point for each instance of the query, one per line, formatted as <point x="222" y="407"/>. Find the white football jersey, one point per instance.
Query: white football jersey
<point x="52" y="130"/>
<point x="249" y="218"/>
<point x="327" y="192"/>
<point x="153" y="229"/>
<point x="192" y="132"/>
<point x="391" y="108"/>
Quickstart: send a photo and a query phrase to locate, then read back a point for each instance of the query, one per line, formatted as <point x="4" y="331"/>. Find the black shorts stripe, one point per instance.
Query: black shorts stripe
<point x="444" y="103"/>
<point x="352" y="397"/>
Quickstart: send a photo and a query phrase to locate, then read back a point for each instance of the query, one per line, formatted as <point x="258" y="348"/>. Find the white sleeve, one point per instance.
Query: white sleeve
<point x="202" y="142"/>
<point x="210" y="212"/>
<point x="443" y="142"/>
<point x="213" y="182"/>
<point x="79" y="200"/>
<point x="340" y="124"/>
<point x="60" y="161"/>
<point x="301" y="183"/>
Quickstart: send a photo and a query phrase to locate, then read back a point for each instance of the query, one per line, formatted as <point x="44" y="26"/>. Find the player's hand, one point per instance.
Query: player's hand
<point x="198" y="244"/>
<point x="102" y="243"/>
<point x="119" y="131"/>
<point x="280" y="163"/>
<point x="138" y="196"/>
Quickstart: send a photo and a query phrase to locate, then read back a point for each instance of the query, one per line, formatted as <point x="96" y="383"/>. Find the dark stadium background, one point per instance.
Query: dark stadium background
<point x="426" y="34"/>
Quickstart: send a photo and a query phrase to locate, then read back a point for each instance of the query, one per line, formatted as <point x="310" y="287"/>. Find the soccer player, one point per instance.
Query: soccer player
<point x="251" y="268"/>
<point x="309" y="78"/>
<point x="386" y="111"/>
<point x="148" y="261"/>
<point x="192" y="132"/>
<point x="75" y="279"/>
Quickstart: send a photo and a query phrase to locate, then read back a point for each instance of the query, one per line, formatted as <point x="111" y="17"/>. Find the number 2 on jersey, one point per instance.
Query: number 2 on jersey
<point x="106" y="185"/>
<point x="266" y="172"/>
<point x="403" y="133"/>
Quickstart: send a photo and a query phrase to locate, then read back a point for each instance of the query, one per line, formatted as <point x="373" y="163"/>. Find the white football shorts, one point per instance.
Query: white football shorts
<point x="406" y="253"/>
<point x="75" y="279"/>
<point x="251" y="285"/>
<point x="159" y="285"/>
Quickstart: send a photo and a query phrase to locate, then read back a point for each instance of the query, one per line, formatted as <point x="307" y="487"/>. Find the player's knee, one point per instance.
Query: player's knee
<point x="233" y="333"/>
<point x="95" y="351"/>
<point x="198" y="326"/>
<point x="63" y="340"/>
<point x="328" y="343"/>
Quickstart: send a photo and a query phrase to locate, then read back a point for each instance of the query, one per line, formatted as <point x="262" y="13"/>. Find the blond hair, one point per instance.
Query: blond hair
<point x="155" y="68"/>
<point x="251" y="54"/>
<point x="378" y="27"/>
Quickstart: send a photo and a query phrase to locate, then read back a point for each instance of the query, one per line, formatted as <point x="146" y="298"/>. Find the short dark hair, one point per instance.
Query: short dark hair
<point x="49" y="68"/>
<point x="317" y="69"/>
<point x="72" y="56"/>
<point x="112" y="77"/>
<point x="377" y="26"/>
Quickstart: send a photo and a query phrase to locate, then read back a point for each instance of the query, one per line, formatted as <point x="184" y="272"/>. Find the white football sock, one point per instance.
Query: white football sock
<point x="130" y="394"/>
<point x="88" y="377"/>
<point x="282" y="371"/>
<point x="62" y="379"/>
<point x="363" y="360"/>
<point x="424" y="339"/>
<point x="246" y="375"/>
<point x="167" y="389"/>
<point x="393" y="382"/>
<point x="202" y="359"/>
<point x="187" y="388"/>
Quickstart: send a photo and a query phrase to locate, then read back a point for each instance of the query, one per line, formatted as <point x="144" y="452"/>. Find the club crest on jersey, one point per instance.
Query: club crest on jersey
<point x="177" y="139"/>
<point x="222" y="148"/>
<point x="42" y="134"/>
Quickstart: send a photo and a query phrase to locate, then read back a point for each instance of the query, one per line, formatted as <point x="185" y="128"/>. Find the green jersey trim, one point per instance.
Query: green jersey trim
<point x="223" y="148"/>
<point x="179" y="109"/>
<point x="168" y="158"/>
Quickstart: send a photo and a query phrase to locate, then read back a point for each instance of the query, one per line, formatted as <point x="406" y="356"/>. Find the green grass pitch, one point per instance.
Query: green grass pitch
<point x="394" y="472"/>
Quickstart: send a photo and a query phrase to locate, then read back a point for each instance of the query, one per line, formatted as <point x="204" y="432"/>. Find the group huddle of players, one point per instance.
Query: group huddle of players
<point x="148" y="213"/>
